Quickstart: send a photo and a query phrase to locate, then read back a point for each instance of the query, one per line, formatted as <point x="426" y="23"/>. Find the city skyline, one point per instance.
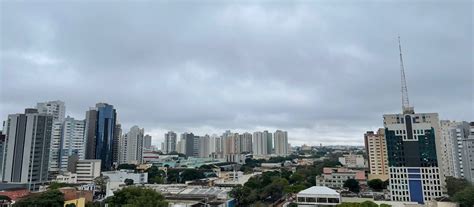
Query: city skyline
<point x="298" y="68"/>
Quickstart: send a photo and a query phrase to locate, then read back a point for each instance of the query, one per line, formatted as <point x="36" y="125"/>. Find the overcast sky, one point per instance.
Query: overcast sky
<point x="325" y="72"/>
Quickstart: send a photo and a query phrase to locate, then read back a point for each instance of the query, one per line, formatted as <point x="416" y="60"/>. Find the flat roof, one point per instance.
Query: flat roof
<point x="319" y="190"/>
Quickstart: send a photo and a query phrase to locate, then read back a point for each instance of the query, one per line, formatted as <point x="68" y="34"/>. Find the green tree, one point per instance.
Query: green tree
<point x="48" y="198"/>
<point x="385" y="205"/>
<point x="368" y="204"/>
<point x="455" y="185"/>
<point x="294" y="188"/>
<point x="465" y="197"/>
<point x="353" y="185"/>
<point x="376" y="184"/>
<point x="275" y="190"/>
<point x="136" y="196"/>
<point x="70" y="205"/>
<point x="100" y="183"/>
<point x="128" y="181"/>
<point x="155" y="175"/>
<point x="56" y="185"/>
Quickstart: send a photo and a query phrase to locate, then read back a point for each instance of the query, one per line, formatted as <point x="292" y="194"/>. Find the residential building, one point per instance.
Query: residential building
<point x="116" y="145"/>
<point x="87" y="170"/>
<point x="246" y="142"/>
<point x="132" y="146"/>
<point x="318" y="196"/>
<point x="55" y="108"/>
<point x="335" y="177"/>
<point x="413" y="152"/>
<point x="376" y="149"/>
<point x="260" y="143"/>
<point x="170" y="142"/>
<point x="204" y="146"/>
<point x="55" y="148"/>
<point x="66" y="177"/>
<point x="147" y="142"/>
<point x="28" y="137"/>
<point x="268" y="137"/>
<point x="2" y="152"/>
<point x="281" y="142"/>
<point x="72" y="141"/>
<point x="100" y="129"/>
<point x="468" y="155"/>
<point x="453" y="135"/>
<point x="190" y="144"/>
<point x="352" y="160"/>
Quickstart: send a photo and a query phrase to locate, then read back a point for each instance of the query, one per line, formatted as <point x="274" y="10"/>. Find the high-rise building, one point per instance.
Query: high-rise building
<point x="246" y="142"/>
<point x="376" y="149"/>
<point x="72" y="141"/>
<point x="268" y="136"/>
<point x="262" y="143"/>
<point x="232" y="144"/>
<point x="55" y="148"/>
<point x="204" y="146"/>
<point x="457" y="138"/>
<point x="116" y="145"/>
<point x="147" y="142"/>
<point x="170" y="142"/>
<point x="2" y="152"/>
<point x="55" y="108"/>
<point x="190" y="144"/>
<point x="281" y="142"/>
<point x="132" y="147"/>
<point x="28" y="138"/>
<point x="100" y="129"/>
<point x="413" y="151"/>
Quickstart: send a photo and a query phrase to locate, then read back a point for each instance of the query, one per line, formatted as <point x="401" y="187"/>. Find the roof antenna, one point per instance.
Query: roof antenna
<point x="407" y="109"/>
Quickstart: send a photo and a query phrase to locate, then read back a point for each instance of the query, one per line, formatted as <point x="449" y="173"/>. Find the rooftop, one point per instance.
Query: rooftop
<point x="320" y="190"/>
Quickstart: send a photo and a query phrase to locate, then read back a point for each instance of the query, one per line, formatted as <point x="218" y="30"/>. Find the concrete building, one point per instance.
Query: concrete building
<point x="413" y="150"/>
<point x="246" y="142"/>
<point x="281" y="142"/>
<point x="87" y="170"/>
<point x="170" y="142"/>
<point x="100" y="129"/>
<point x="376" y="149"/>
<point x="318" y="196"/>
<point x="335" y="177"/>
<point x="131" y="147"/>
<point x="55" y="148"/>
<point x="261" y="144"/>
<point x="55" y="108"/>
<point x="72" y="141"/>
<point x="204" y="146"/>
<point x="147" y="142"/>
<point x="190" y="144"/>
<point x="453" y="138"/>
<point x="352" y="161"/>
<point x="116" y="146"/>
<point x="116" y="179"/>
<point x="66" y="177"/>
<point x="28" y="137"/>
<point x="468" y="155"/>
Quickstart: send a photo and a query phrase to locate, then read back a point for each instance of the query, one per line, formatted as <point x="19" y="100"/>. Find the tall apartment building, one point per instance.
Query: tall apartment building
<point x="262" y="143"/>
<point x="281" y="142"/>
<point x="204" y="146"/>
<point x="170" y="142"/>
<point x="376" y="149"/>
<point x="452" y="135"/>
<point x="413" y="149"/>
<point x="100" y="129"/>
<point x="2" y="152"/>
<point x="246" y="142"/>
<point x="28" y="137"/>
<point x="55" y="108"/>
<point x="147" y="142"/>
<point x="132" y="146"/>
<point x="190" y="144"/>
<point x="468" y="154"/>
<point x="72" y="141"/>
<point x="232" y="144"/>
<point x="116" y="145"/>
<point x="55" y="148"/>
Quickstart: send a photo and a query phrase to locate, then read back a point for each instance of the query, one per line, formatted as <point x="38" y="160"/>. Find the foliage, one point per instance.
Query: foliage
<point x="363" y="204"/>
<point x="136" y="196"/>
<point x="155" y="175"/>
<point x="70" y="205"/>
<point x="455" y="185"/>
<point x="385" y="205"/>
<point x="127" y="167"/>
<point x="181" y="176"/>
<point x="368" y="204"/>
<point x="353" y="185"/>
<point x="128" y="181"/>
<point x="5" y="198"/>
<point x="47" y="198"/>
<point x="465" y="197"/>
<point x="376" y="184"/>
<point x="56" y="185"/>
<point x="100" y="183"/>
<point x="93" y="204"/>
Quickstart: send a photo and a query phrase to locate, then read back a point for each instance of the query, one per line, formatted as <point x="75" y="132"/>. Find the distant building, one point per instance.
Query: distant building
<point x="376" y="149"/>
<point x="55" y="108"/>
<point x="170" y="142"/>
<point x="335" y="177"/>
<point x="28" y="137"/>
<point x="116" y="146"/>
<point x="147" y="142"/>
<point x="100" y="129"/>
<point x="454" y="142"/>
<point x="87" y="170"/>
<point x="281" y="142"/>
<point x="116" y="179"/>
<point x="55" y="148"/>
<point x="352" y="161"/>
<point x="131" y="146"/>
<point x="72" y="141"/>
<point x="262" y="143"/>
<point x="190" y="143"/>
<point x="246" y="142"/>
<point x="204" y="146"/>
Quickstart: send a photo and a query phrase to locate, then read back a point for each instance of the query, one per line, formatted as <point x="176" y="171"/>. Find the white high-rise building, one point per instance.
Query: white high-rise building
<point x="131" y="146"/>
<point x="73" y="141"/>
<point x="204" y="146"/>
<point x="55" y="108"/>
<point x="452" y="134"/>
<point x="259" y="144"/>
<point x="281" y="142"/>
<point x="55" y="148"/>
<point x="170" y="142"/>
<point x="246" y="142"/>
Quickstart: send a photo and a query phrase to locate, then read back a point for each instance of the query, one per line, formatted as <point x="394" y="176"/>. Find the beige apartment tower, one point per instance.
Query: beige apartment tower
<point x="376" y="148"/>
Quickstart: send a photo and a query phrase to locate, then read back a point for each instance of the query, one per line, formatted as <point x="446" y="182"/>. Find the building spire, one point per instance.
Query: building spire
<point x="407" y="109"/>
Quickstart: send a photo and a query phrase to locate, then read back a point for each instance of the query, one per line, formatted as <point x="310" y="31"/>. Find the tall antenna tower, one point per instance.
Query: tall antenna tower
<point x="407" y="109"/>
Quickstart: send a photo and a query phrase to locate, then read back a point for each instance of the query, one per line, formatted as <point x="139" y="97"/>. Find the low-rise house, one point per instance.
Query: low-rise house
<point x="318" y="196"/>
<point x="335" y="177"/>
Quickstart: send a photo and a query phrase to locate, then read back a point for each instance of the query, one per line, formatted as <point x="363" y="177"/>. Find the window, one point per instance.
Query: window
<point x="301" y="199"/>
<point x="322" y="200"/>
<point x="333" y="200"/>
<point x="310" y="200"/>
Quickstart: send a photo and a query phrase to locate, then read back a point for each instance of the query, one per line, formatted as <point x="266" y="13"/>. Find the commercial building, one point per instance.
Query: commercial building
<point x="100" y="129"/>
<point x="352" y="160"/>
<point x="318" y="196"/>
<point x="281" y="142"/>
<point x="147" y="142"/>
<point x="72" y="141"/>
<point x="190" y="144"/>
<point x="116" y="146"/>
<point x="87" y="170"/>
<point x="468" y="155"/>
<point x="376" y="149"/>
<point x="170" y="142"/>
<point x="28" y="137"/>
<point x="116" y="179"/>
<point x="335" y="177"/>
<point x="55" y="108"/>
<point x="131" y="146"/>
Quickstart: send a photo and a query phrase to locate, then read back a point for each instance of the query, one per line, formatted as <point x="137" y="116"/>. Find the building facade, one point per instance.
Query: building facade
<point x="55" y="108"/>
<point x="170" y="142"/>
<point x="376" y="149"/>
<point x="147" y="142"/>
<point x="132" y="146"/>
<point x="28" y="138"/>
<point x="72" y="141"/>
<point x="413" y="150"/>
<point x="281" y="142"/>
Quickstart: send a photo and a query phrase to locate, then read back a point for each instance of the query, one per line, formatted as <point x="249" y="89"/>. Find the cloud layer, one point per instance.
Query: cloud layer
<point x="325" y="72"/>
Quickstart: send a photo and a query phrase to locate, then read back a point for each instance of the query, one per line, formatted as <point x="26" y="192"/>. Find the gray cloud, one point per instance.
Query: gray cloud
<point x="325" y="72"/>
